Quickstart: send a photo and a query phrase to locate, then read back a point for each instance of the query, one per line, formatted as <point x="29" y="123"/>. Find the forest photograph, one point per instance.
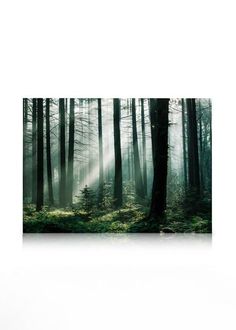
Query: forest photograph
<point x="134" y="165"/>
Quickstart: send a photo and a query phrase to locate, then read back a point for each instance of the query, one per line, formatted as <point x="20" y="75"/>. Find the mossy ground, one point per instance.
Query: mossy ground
<point x="129" y="219"/>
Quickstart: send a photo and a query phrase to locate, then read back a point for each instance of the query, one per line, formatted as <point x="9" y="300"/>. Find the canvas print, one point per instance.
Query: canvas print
<point x="135" y="165"/>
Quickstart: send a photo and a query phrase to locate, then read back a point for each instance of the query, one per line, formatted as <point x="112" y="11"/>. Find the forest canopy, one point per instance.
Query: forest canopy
<point x="117" y="165"/>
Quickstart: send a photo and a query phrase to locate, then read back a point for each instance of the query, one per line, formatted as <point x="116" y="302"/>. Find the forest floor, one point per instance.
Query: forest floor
<point x="132" y="218"/>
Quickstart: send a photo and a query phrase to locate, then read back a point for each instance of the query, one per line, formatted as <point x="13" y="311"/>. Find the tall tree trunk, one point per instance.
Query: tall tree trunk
<point x="184" y="145"/>
<point x="34" y="150"/>
<point x="159" y="122"/>
<point x="89" y="143"/>
<point x="40" y="185"/>
<point x="48" y="152"/>
<point x="129" y="173"/>
<point x="117" y="147"/>
<point x="128" y="143"/>
<point x="100" y="141"/>
<point x="137" y="168"/>
<point x="210" y="156"/>
<point x="193" y="161"/>
<point x="201" y="160"/>
<point x="62" y="182"/>
<point x="144" y="149"/>
<point x="25" y="122"/>
<point x="70" y="171"/>
<point x="152" y="114"/>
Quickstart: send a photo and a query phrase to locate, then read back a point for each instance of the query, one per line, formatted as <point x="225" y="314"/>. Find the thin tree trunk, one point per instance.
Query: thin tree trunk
<point x="137" y="168"/>
<point x="48" y="151"/>
<point x="34" y="150"/>
<point x="144" y="149"/>
<point x="89" y="143"/>
<point x="100" y="141"/>
<point x="40" y="183"/>
<point x="159" y="122"/>
<point x="118" y="160"/>
<point x="25" y="122"/>
<point x="201" y="161"/>
<point x="62" y="182"/>
<point x="184" y="146"/>
<point x="70" y="171"/>
<point x="193" y="161"/>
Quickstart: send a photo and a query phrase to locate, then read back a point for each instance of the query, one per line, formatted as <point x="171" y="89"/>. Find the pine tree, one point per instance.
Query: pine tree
<point x="159" y="122"/>
<point x="118" y="160"/>
<point x="137" y="168"/>
<point x="40" y="170"/>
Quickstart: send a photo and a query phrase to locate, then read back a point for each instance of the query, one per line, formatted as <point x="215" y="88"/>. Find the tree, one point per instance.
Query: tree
<point x="40" y="182"/>
<point x="184" y="145"/>
<point x="117" y="148"/>
<point x="89" y="142"/>
<point x="159" y="123"/>
<point x="25" y="123"/>
<point x="70" y="171"/>
<point x="34" y="149"/>
<point x="100" y="142"/>
<point x="48" y="153"/>
<point x="62" y="181"/>
<point x="137" y="168"/>
<point x="144" y="148"/>
<point x="200" y="145"/>
<point x="193" y="161"/>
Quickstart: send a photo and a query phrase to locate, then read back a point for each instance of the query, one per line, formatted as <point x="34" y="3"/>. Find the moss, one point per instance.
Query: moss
<point x="131" y="218"/>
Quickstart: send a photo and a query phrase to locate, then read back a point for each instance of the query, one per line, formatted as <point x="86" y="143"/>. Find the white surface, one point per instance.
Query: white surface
<point x="124" y="49"/>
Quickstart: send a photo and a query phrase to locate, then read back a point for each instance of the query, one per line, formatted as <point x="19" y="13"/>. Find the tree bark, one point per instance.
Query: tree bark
<point x="137" y="168"/>
<point x="34" y="150"/>
<point x="159" y="122"/>
<point x="144" y="149"/>
<point x="40" y="181"/>
<point x="201" y="157"/>
<point x="193" y="160"/>
<point x="62" y="181"/>
<point x="184" y="145"/>
<point x="25" y="122"/>
<point x="118" y="160"/>
<point x="70" y="171"/>
<point x="100" y="141"/>
<point x="48" y="152"/>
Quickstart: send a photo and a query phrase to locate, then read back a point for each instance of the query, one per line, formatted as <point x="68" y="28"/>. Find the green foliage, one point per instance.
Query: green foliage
<point x="87" y="199"/>
<point x="131" y="218"/>
<point x="86" y="203"/>
<point x="107" y="200"/>
<point x="128" y="192"/>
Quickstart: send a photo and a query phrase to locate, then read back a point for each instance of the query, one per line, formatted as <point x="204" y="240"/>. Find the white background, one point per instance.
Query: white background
<point x="117" y="49"/>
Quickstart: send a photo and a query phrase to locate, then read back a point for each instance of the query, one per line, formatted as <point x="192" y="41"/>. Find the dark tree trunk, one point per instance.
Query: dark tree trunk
<point x="193" y="161"/>
<point x="25" y="122"/>
<point x="40" y="185"/>
<point x="201" y="156"/>
<point x="128" y="162"/>
<point x="184" y="146"/>
<point x="101" y="175"/>
<point x="144" y="149"/>
<point x="48" y="152"/>
<point x="159" y="122"/>
<point x="89" y="143"/>
<point x="152" y="114"/>
<point x="62" y="181"/>
<point x="118" y="161"/>
<point x="34" y="150"/>
<point x="70" y="171"/>
<point x="137" y="168"/>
